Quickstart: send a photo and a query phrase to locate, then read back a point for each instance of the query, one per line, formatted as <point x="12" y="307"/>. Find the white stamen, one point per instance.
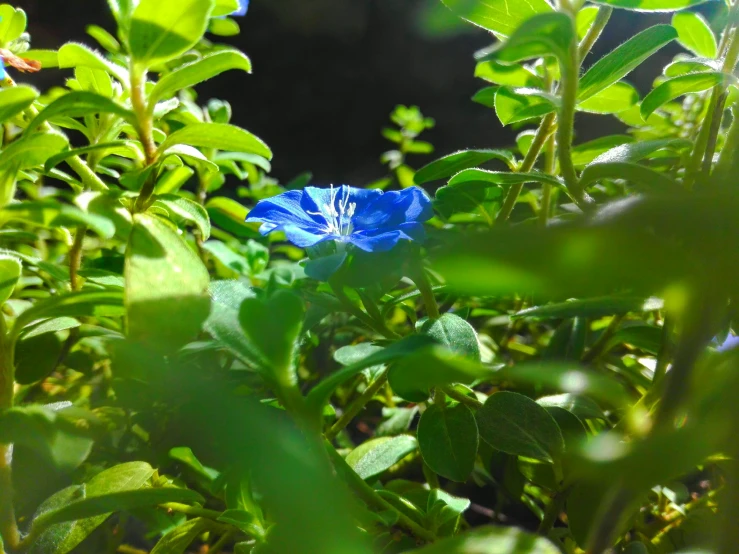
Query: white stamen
<point x="336" y="224"/>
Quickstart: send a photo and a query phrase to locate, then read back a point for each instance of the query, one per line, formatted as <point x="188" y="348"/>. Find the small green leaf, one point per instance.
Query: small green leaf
<point x="178" y="539"/>
<point x="32" y="150"/>
<point x="196" y="72"/>
<point x="375" y="456"/>
<point x="681" y="66"/>
<point x="50" y="213"/>
<point x="581" y="406"/>
<point x="273" y="327"/>
<point x="635" y="151"/>
<point x="515" y="105"/>
<point x="585" y="19"/>
<point x="218" y="135"/>
<point x="584" y="153"/>
<point x="80" y="103"/>
<point x="51" y="325"/>
<point x="163" y="29"/>
<point x="448" y="438"/>
<point x="501" y="178"/>
<point x="497" y="540"/>
<point x="413" y="376"/>
<point x="73" y="55"/>
<point x="684" y="84"/>
<point x="623" y="60"/>
<point x="64" y="537"/>
<point x="455" y="333"/>
<point x="10" y="272"/>
<point x="464" y="159"/>
<point x="223" y="322"/>
<point x="643" y="177"/>
<point x="616" y="98"/>
<point x="86" y="303"/>
<point x="592" y="307"/>
<point x="694" y="34"/>
<point x="166" y="286"/>
<point x="124" y="148"/>
<point x="499" y="16"/>
<point x="12" y="23"/>
<point x="515" y="424"/>
<point x="229" y="215"/>
<point x="651" y="5"/>
<point x="14" y="100"/>
<point x="36" y="357"/>
<point x="187" y="209"/>
<point x="545" y="34"/>
<point x="516" y="75"/>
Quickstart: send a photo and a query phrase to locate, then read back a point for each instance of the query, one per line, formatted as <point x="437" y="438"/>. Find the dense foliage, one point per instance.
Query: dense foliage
<point x="513" y="351"/>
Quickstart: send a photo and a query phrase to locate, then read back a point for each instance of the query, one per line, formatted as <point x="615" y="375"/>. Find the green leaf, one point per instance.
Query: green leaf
<point x="681" y="66"/>
<point x="51" y="326"/>
<point x="646" y="337"/>
<point x="592" y="307"/>
<point x="166" y="286"/>
<point x="14" y="100"/>
<point x="513" y="105"/>
<point x="163" y="29"/>
<point x="683" y="84"/>
<point x="321" y="393"/>
<point x="196" y="72"/>
<point x="229" y="215"/>
<point x="584" y="153"/>
<point x="585" y="19"/>
<point x="93" y="303"/>
<point x="495" y="540"/>
<point x="178" y="539"/>
<point x="73" y="55"/>
<point x="10" y="272"/>
<point x="80" y="103"/>
<point x="375" y="456"/>
<point x="63" y="538"/>
<point x="187" y="209"/>
<point x="125" y="148"/>
<point x="501" y="178"/>
<point x="636" y="151"/>
<point x="694" y="34"/>
<point x="226" y="256"/>
<point x="223" y="321"/>
<point x="616" y="98"/>
<point x="218" y="135"/>
<point x="36" y="357"/>
<point x="516" y="75"/>
<point x="455" y="333"/>
<point x="651" y="5"/>
<point x="643" y="177"/>
<point x="117" y="501"/>
<point x="12" y="23"/>
<point x="413" y="376"/>
<point x="447" y="437"/>
<point x="464" y="159"/>
<point x="31" y="150"/>
<point x="515" y="424"/>
<point x="273" y="326"/>
<point x="225" y="7"/>
<point x="50" y="213"/>
<point x="614" y="66"/>
<point x="581" y="406"/>
<point x="502" y="17"/>
<point x="486" y="96"/>
<point x="546" y="34"/>
<point x="47" y="58"/>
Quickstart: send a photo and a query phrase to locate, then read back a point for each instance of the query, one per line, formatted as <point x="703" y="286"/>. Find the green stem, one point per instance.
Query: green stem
<point x="75" y="257"/>
<point x="551" y="514"/>
<point x="663" y="356"/>
<point x="728" y="160"/>
<point x="360" y="315"/>
<point x="424" y="287"/>
<point x="601" y="19"/>
<point x="145" y="128"/>
<point x="550" y="162"/>
<point x="221" y="543"/>
<point x="600" y="345"/>
<point x="468" y="401"/>
<point x="357" y="406"/>
<point x="566" y="122"/>
<point x="372" y="499"/>
<point x="8" y="522"/>
<point x="542" y="134"/>
<point x="88" y="177"/>
<point x="194" y="511"/>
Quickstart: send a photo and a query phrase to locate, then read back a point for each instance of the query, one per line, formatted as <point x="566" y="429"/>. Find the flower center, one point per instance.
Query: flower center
<point x="338" y="222"/>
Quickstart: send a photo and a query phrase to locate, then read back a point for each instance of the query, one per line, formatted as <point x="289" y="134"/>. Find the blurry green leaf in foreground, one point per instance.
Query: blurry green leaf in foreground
<point x="497" y="540"/>
<point x="613" y="250"/>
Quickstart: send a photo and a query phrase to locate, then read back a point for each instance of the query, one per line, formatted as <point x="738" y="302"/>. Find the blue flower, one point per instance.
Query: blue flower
<point x="3" y="74"/>
<point x="243" y="6"/>
<point x="730" y="343"/>
<point x="369" y="219"/>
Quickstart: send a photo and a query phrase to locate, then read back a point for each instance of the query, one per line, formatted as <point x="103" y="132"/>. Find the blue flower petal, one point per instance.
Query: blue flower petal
<point x="304" y="237"/>
<point x="285" y="209"/>
<point x="243" y="6"/>
<point x="3" y="74"/>
<point x="729" y="344"/>
<point x="393" y="208"/>
<point x="382" y="240"/>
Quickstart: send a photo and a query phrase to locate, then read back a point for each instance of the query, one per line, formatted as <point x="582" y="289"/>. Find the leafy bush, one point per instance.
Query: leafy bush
<point x="538" y="360"/>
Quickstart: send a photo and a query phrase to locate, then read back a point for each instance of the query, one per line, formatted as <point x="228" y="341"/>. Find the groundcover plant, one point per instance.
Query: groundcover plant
<point x="513" y="351"/>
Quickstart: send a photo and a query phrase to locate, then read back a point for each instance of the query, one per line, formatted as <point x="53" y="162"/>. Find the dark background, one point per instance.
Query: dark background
<point x="327" y="74"/>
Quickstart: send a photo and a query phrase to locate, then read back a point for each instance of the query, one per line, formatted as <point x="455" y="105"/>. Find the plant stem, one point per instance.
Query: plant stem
<point x="728" y="159"/>
<point x="468" y="401"/>
<point x="601" y="19"/>
<point x="371" y="498"/>
<point x="551" y="514"/>
<point x="191" y="510"/>
<point x="424" y="287"/>
<point x="75" y="257"/>
<point x="357" y="406"/>
<point x="88" y="177"/>
<point x="360" y="315"/>
<point x="222" y="542"/>
<point x="599" y="347"/>
<point x="566" y="122"/>
<point x="542" y="134"/>
<point x="8" y="523"/>
<point x="145" y="128"/>
<point x="550" y="161"/>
